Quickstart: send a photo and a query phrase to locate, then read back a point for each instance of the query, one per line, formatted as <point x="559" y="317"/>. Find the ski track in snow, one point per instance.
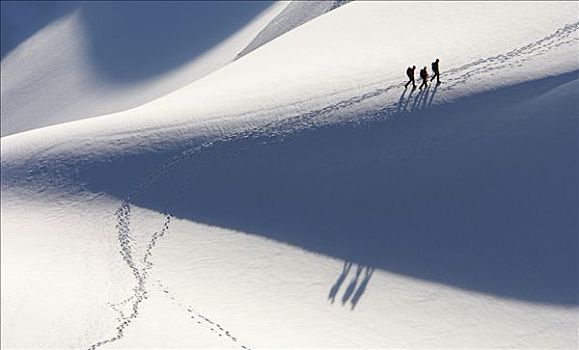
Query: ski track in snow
<point x="275" y="131"/>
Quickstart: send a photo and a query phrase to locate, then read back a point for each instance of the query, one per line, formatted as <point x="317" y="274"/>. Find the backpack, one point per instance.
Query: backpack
<point x="434" y="66"/>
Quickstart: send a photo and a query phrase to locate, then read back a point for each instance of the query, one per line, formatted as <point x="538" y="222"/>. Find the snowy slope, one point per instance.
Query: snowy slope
<point x="99" y="59"/>
<point x="301" y="197"/>
<point x="95" y="59"/>
<point x="295" y="14"/>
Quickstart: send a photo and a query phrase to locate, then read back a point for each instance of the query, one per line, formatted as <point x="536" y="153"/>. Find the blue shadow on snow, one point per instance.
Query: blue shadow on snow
<point x="479" y="194"/>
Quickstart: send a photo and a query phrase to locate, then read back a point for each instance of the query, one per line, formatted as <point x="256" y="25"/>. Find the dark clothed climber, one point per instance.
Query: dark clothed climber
<point x="424" y="77"/>
<point x="410" y="74"/>
<point x="436" y="72"/>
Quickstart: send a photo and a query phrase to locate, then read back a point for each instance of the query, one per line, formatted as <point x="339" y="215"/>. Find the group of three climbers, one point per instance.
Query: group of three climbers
<point x="423" y="75"/>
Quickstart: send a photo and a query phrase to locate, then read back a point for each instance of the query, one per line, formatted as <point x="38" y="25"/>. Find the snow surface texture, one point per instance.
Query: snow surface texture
<point x="301" y="197"/>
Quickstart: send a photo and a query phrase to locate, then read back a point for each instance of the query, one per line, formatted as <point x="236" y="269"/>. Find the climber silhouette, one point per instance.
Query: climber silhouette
<point x="424" y="77"/>
<point x="410" y="74"/>
<point x="436" y="71"/>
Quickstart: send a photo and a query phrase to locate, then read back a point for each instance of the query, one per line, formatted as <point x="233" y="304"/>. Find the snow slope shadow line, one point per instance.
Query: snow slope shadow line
<point x="277" y="131"/>
<point x="301" y="121"/>
<point x="403" y="197"/>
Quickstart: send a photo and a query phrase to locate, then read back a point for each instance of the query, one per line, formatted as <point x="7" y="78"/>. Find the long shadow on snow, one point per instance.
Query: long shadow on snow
<point x="480" y="194"/>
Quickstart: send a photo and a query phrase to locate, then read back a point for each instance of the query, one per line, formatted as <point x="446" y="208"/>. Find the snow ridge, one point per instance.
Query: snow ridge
<point x="294" y="15"/>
